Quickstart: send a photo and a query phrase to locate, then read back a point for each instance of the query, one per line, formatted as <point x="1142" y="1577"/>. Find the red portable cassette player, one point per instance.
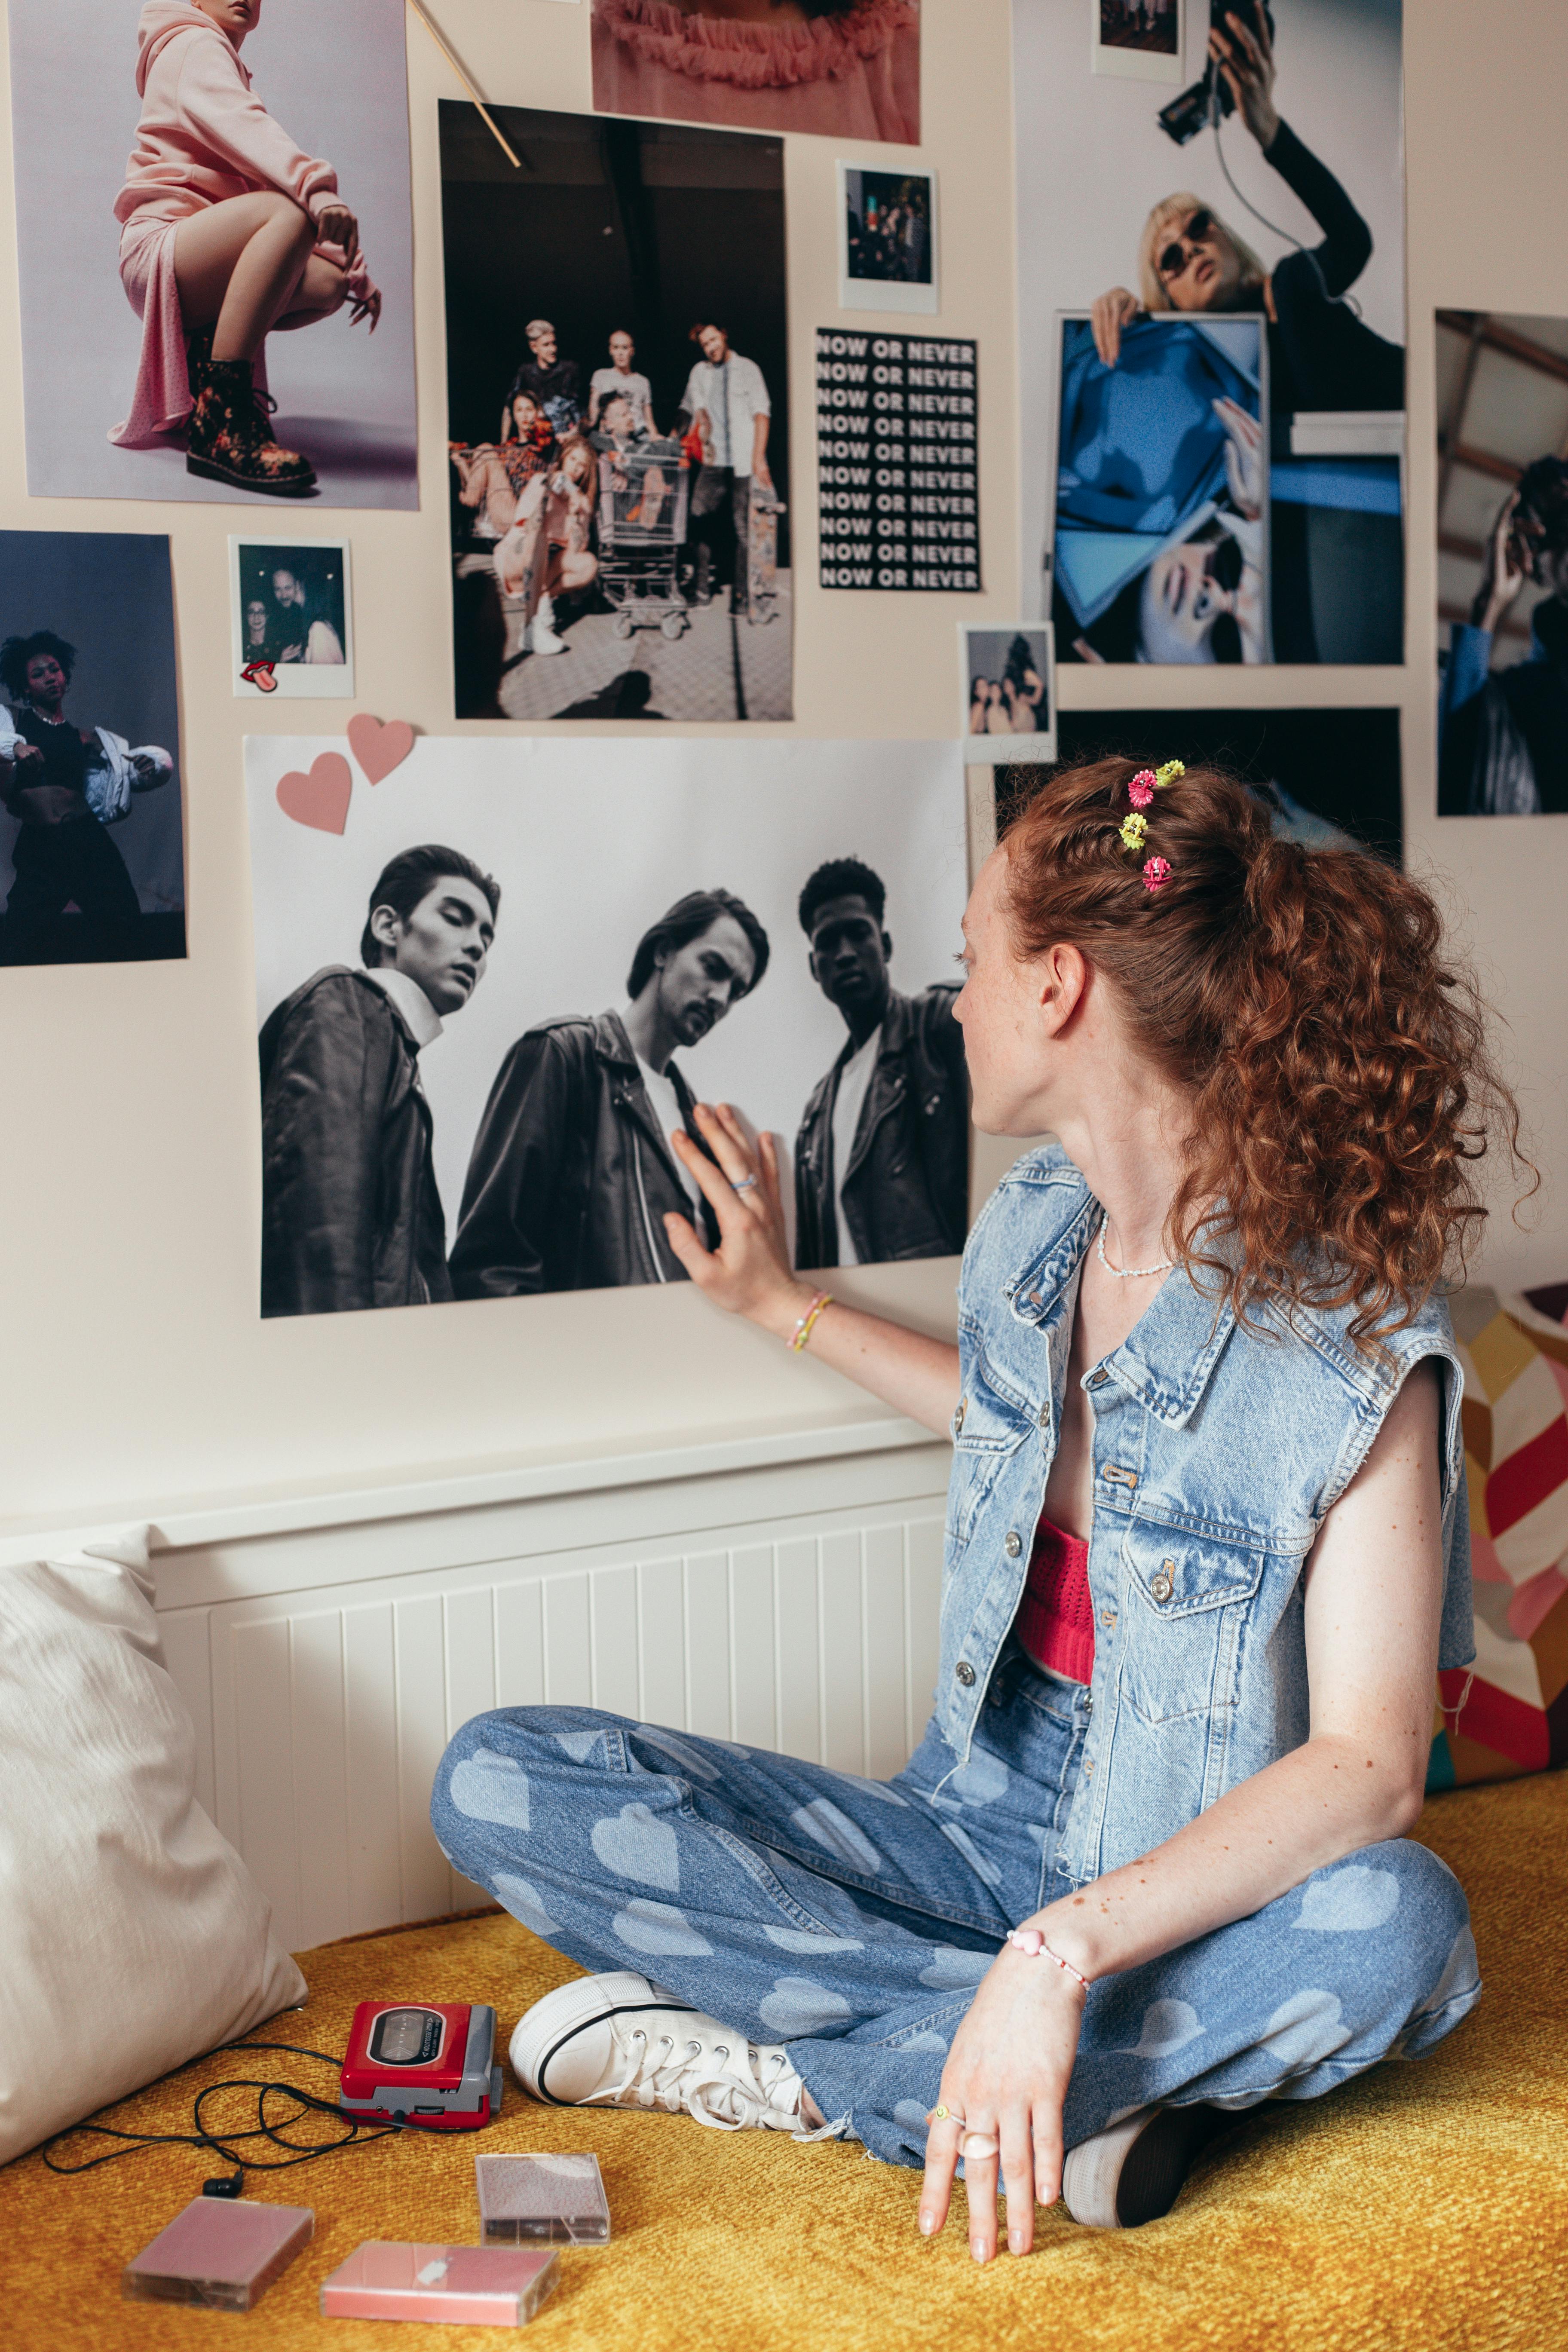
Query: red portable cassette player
<point x="430" y="2063"/>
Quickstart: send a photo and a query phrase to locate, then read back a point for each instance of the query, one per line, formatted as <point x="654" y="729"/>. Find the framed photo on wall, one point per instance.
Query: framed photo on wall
<point x="91" y="833"/>
<point x="1009" y="694"/>
<point x="1140" y="40"/>
<point x="291" y="618"/>
<point x="886" y="241"/>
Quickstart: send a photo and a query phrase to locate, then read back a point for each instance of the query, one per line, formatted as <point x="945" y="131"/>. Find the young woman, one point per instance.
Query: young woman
<point x="546" y="550"/>
<point x="1320" y="354"/>
<point x="1207" y="1547"/>
<point x="229" y="234"/>
<point x="493" y="475"/>
<point x="844" y="68"/>
<point x="621" y="381"/>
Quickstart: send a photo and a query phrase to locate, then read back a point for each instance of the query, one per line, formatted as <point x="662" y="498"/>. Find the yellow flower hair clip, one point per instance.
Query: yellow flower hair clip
<point x="1134" y="830"/>
<point x="1169" y="772"/>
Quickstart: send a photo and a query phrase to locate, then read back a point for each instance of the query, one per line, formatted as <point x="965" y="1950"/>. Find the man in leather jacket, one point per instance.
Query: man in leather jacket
<point x="881" y="1161"/>
<point x="351" y="1215"/>
<point x="573" y="1173"/>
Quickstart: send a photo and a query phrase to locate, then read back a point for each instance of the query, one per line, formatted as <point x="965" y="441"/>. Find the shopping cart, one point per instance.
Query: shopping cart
<point x="643" y="496"/>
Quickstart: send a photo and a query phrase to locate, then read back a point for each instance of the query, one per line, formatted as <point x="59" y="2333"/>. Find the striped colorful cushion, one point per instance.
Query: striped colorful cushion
<point x="1515" y="1717"/>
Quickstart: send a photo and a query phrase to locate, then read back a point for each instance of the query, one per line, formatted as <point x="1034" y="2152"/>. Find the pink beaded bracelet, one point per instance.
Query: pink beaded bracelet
<point x="1030" y="1940"/>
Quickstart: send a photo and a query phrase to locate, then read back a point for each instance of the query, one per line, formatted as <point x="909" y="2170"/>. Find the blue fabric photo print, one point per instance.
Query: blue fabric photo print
<point x="1141" y="452"/>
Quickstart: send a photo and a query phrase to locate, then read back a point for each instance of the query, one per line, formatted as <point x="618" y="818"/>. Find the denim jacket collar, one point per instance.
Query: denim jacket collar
<point x="1167" y="1358"/>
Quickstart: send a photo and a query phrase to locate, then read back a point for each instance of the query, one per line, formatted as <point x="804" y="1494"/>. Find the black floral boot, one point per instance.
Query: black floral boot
<point x="229" y="439"/>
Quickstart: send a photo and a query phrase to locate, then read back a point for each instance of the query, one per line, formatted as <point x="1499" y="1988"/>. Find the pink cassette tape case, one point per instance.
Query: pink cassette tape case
<point x="477" y="2287"/>
<point x="223" y="2255"/>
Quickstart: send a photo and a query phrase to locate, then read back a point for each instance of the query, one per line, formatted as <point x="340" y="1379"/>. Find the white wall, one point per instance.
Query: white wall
<point x="134" y="1367"/>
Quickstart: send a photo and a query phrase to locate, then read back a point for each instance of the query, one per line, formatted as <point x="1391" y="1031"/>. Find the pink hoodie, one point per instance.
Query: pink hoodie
<point x="203" y="136"/>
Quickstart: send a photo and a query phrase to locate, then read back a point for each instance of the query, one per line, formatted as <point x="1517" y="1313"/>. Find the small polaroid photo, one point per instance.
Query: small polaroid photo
<point x="292" y="618"/>
<point x="886" y="241"/>
<point x="1141" y="40"/>
<point x="1009" y="694"/>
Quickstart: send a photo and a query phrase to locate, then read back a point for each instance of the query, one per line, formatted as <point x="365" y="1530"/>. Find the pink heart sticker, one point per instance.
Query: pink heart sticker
<point x="321" y="798"/>
<point x="379" y="749"/>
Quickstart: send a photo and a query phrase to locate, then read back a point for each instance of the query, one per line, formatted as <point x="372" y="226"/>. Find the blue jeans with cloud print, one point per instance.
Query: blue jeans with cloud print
<point x="851" y="1919"/>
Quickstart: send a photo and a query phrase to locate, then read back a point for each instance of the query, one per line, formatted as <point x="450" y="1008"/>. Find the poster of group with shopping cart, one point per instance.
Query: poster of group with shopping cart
<point x="618" y="399"/>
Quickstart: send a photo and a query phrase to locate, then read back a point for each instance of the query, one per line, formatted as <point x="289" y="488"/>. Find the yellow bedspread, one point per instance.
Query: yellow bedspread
<point x="1423" y="2207"/>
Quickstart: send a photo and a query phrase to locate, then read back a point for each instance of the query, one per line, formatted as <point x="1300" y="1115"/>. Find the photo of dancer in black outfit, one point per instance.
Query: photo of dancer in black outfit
<point x="65" y="786"/>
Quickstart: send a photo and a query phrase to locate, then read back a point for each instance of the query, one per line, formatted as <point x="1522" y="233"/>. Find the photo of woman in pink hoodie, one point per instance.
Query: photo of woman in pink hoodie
<point x="229" y="233"/>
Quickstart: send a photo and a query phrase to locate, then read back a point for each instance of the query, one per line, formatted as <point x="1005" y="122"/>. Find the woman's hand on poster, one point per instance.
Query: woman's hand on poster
<point x="1243" y="458"/>
<point x="1505" y="569"/>
<point x="147" y="772"/>
<point x="1006" y="2078"/>
<point x="760" y="473"/>
<point x="1245" y="55"/>
<point x="749" y="1273"/>
<point x="1110" y="314"/>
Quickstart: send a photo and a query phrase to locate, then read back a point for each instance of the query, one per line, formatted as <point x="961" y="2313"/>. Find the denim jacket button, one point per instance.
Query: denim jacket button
<point x="964" y="1671"/>
<point x="1014" y="1543"/>
<point x="1164" y="1584"/>
<point x="958" y="1416"/>
<point x="1098" y="1380"/>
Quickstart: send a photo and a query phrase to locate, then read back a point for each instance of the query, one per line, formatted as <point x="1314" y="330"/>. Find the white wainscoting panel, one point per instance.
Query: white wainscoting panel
<point x="322" y="1710"/>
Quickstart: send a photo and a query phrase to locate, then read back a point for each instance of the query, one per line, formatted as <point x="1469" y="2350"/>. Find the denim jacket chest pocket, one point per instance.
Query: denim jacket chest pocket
<point x="1187" y="1601"/>
<point x="990" y="1424"/>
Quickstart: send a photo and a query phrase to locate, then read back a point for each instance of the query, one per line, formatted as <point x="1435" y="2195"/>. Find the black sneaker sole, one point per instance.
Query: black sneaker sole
<point x="1135" y="2173"/>
<point x="211" y="473"/>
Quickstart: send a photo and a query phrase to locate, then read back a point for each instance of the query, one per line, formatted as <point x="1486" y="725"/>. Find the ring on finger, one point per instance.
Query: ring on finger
<point x="945" y="2116"/>
<point x="977" y="2147"/>
<point x="744" y="1185"/>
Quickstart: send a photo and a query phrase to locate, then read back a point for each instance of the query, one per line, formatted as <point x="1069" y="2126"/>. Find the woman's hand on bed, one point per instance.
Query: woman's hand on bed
<point x="1006" y="2078"/>
<point x="367" y="306"/>
<point x="1246" y="57"/>
<point x="1110" y="314"/>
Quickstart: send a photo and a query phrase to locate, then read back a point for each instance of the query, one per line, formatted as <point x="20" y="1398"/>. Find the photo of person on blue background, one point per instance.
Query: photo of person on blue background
<point x="1161" y="550"/>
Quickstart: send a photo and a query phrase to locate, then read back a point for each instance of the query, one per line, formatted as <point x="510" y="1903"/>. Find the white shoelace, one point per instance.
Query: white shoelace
<point x="728" y="2087"/>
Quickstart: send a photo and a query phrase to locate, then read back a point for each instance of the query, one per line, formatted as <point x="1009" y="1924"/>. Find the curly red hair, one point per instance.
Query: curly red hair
<point x="1336" y="1056"/>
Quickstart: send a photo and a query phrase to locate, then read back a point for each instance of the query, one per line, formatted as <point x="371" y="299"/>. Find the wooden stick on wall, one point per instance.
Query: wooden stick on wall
<point x="432" y="28"/>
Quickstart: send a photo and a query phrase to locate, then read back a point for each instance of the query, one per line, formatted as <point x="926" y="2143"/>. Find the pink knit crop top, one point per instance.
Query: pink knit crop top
<point x="1056" y="1617"/>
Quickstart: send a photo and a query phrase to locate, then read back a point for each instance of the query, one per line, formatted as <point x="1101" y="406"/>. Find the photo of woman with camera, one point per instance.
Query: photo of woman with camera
<point x="1320" y="353"/>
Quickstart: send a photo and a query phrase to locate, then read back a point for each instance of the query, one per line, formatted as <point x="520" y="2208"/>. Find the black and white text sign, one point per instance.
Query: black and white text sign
<point x="898" y="461"/>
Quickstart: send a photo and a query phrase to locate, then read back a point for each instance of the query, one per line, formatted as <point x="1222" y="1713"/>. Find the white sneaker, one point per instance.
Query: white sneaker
<point x="544" y="639"/>
<point x="616" y="2042"/>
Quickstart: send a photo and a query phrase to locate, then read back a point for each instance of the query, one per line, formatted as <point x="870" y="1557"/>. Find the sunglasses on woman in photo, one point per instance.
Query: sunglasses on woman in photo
<point x="1176" y="255"/>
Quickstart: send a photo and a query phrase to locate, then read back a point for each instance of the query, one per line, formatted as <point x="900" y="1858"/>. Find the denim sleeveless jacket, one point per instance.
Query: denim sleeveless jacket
<point x="1218" y="1451"/>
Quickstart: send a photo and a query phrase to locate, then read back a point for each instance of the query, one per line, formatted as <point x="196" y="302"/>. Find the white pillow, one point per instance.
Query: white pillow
<point x="132" y="1935"/>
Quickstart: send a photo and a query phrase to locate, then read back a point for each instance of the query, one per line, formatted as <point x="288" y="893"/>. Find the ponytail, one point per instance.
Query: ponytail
<point x="1343" y="1093"/>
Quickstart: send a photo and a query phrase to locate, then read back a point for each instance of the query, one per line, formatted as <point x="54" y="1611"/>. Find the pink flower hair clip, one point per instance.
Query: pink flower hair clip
<point x="1141" y="788"/>
<point x="1156" y="873"/>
